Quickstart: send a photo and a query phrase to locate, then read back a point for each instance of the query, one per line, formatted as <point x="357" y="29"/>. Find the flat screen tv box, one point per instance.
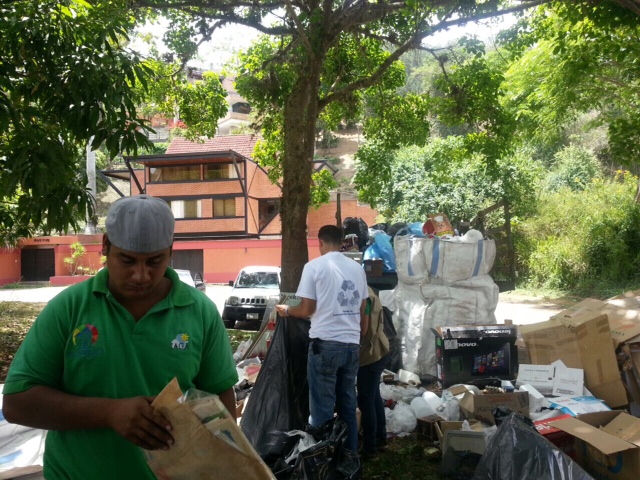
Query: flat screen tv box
<point x="467" y="353"/>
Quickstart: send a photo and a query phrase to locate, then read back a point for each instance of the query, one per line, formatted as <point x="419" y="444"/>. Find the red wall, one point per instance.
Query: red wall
<point x="326" y="214"/>
<point x="9" y="265"/>
<point x="222" y="258"/>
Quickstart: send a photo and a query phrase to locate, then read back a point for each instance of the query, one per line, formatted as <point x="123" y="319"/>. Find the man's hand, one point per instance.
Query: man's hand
<point x="283" y="310"/>
<point x="136" y="421"/>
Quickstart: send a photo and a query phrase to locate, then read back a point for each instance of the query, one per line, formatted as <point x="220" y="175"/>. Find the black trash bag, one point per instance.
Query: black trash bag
<point x="395" y="228"/>
<point x="281" y="470"/>
<point x="459" y="465"/>
<point x="518" y="452"/>
<point x="359" y="227"/>
<point x="394" y="357"/>
<point x="380" y="226"/>
<point x="500" y="414"/>
<point x="326" y="460"/>
<point x="279" y="400"/>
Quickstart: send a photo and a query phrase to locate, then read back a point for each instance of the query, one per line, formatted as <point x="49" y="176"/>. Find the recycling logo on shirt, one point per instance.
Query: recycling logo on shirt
<point x="348" y="296"/>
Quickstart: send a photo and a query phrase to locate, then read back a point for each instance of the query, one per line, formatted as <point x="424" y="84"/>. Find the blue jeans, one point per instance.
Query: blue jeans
<point x="332" y="369"/>
<point x="371" y="406"/>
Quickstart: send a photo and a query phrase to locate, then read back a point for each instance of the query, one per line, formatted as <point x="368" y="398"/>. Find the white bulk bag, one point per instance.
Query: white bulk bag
<point x="437" y="304"/>
<point x="454" y="261"/>
<point x="410" y="265"/>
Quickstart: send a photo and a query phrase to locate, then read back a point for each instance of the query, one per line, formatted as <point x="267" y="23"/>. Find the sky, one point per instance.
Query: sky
<point x="213" y="55"/>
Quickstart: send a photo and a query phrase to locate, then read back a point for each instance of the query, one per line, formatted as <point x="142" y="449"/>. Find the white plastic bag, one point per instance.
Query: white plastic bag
<point x="241" y="350"/>
<point x="391" y="392"/>
<point x="450" y="410"/>
<point x="421" y="408"/>
<point x="401" y="419"/>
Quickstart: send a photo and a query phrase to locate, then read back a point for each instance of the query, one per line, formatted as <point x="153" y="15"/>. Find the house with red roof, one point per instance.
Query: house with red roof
<point x="224" y="204"/>
<point x="227" y="213"/>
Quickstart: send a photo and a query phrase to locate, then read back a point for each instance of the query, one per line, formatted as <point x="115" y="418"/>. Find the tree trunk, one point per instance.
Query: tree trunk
<point x="300" y="116"/>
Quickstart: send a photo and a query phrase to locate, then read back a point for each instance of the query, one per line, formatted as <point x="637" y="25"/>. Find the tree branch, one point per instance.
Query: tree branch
<point x="367" y="81"/>
<point x="632" y="5"/>
<point x="300" y="30"/>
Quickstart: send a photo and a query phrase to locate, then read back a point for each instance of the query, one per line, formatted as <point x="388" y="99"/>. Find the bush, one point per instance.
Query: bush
<point x="77" y="252"/>
<point x="583" y="240"/>
<point x="575" y="168"/>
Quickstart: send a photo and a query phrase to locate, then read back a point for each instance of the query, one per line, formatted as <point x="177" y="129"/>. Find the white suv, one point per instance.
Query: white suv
<point x="253" y="288"/>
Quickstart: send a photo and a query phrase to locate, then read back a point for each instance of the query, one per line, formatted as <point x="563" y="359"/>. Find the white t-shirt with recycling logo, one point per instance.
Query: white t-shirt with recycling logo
<point x="338" y="284"/>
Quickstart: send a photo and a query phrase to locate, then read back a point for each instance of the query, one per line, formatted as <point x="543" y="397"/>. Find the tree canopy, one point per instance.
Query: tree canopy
<point x="64" y="80"/>
<point x="570" y="59"/>
<point x="67" y="78"/>
<point x="559" y="64"/>
<point x="323" y="60"/>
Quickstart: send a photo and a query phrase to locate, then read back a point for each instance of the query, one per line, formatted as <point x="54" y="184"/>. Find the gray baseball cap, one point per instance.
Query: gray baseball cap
<point x="141" y="224"/>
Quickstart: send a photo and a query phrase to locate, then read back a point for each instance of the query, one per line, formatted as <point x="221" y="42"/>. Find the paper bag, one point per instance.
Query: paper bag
<point x="208" y="443"/>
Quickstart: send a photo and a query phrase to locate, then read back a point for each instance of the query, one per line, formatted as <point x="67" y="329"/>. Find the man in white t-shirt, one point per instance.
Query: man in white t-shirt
<point x="333" y="292"/>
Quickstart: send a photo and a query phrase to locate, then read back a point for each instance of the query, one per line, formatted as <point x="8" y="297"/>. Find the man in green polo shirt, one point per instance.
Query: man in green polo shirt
<point x="101" y="350"/>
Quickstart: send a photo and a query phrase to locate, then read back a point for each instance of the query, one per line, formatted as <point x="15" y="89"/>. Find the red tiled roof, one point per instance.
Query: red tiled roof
<point x="242" y="144"/>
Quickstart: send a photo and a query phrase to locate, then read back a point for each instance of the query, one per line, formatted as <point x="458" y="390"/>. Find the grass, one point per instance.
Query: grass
<point x="20" y="285"/>
<point x="15" y="320"/>
<point x="238" y="336"/>
<point x="407" y="458"/>
<point x="525" y="293"/>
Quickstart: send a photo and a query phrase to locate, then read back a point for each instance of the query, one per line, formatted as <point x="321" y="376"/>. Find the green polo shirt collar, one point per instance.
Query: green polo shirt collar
<point x="178" y="296"/>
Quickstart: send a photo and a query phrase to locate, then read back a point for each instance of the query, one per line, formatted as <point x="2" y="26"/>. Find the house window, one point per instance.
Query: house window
<point x="241" y="108"/>
<point x="215" y="171"/>
<point x="268" y="209"/>
<point x="186" y="208"/>
<point x="173" y="174"/>
<point x="224" y="207"/>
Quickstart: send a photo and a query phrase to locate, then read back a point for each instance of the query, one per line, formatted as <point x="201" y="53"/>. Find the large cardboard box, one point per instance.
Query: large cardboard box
<point x="623" y="314"/>
<point x="479" y="406"/>
<point x="469" y="352"/>
<point x="607" y="443"/>
<point x="452" y="436"/>
<point x="580" y="341"/>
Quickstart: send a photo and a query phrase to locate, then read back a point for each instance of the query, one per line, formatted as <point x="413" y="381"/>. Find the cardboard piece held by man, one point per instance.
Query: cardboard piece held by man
<point x="208" y="442"/>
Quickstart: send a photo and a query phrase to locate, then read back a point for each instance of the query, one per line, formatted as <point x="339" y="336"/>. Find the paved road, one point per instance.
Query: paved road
<point x="521" y="311"/>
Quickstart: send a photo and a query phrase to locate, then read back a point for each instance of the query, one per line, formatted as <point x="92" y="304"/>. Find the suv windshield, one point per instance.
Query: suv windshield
<point x="257" y="280"/>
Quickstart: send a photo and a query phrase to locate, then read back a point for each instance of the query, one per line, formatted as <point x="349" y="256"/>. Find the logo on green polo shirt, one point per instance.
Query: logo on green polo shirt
<point x="85" y="339"/>
<point x="180" y="341"/>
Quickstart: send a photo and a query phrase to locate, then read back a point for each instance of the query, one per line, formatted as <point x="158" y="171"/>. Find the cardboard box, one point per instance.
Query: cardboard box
<point x="561" y="439"/>
<point x="426" y="427"/>
<point x="623" y="314"/>
<point x="539" y="377"/>
<point x="576" y="406"/>
<point x="631" y="370"/>
<point x="239" y="408"/>
<point x="437" y="224"/>
<point x="581" y="341"/>
<point x="450" y="435"/>
<point x="607" y="443"/>
<point x="479" y="406"/>
<point x="373" y="267"/>
<point x="469" y="352"/>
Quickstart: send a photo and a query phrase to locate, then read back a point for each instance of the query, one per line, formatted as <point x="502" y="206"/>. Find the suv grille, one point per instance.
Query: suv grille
<point x="253" y="301"/>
